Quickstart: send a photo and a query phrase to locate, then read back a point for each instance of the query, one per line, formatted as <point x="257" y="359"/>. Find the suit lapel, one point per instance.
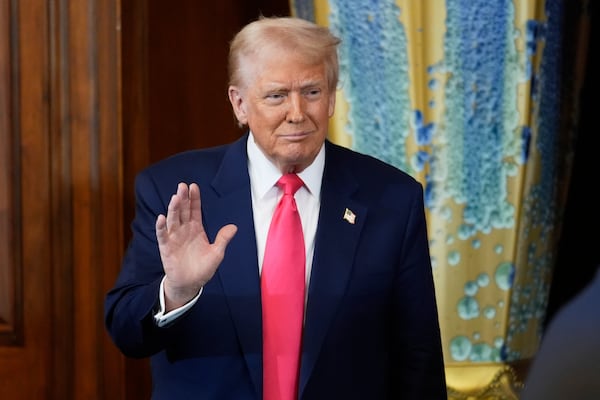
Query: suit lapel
<point x="336" y="240"/>
<point x="238" y="273"/>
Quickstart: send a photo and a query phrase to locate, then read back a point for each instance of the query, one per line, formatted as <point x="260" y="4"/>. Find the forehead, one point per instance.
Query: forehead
<point x="279" y="67"/>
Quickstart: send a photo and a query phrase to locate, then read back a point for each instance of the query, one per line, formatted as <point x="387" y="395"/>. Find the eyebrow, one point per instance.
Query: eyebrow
<point x="304" y="85"/>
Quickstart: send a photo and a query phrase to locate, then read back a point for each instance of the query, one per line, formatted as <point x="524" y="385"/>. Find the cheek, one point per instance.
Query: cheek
<point x="323" y="113"/>
<point x="267" y="117"/>
<point x="324" y="108"/>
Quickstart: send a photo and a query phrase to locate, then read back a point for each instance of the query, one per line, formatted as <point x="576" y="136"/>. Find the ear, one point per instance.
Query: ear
<point x="237" y="103"/>
<point x="332" y="96"/>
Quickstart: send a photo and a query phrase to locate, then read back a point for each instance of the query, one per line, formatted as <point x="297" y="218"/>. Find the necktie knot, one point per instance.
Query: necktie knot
<point x="290" y="183"/>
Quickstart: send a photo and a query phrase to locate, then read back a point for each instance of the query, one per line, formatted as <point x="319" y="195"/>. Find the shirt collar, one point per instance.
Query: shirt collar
<point x="264" y="175"/>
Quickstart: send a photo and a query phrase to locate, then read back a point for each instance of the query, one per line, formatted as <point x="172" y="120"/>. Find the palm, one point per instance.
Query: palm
<point x="189" y="259"/>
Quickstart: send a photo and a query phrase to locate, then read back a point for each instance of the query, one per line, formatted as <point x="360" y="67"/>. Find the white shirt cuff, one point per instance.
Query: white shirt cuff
<point x="161" y="318"/>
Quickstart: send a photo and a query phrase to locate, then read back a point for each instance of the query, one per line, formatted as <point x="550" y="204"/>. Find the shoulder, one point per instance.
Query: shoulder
<point x="365" y="168"/>
<point x="199" y="165"/>
<point x="203" y="162"/>
<point x="190" y="158"/>
<point x="370" y="180"/>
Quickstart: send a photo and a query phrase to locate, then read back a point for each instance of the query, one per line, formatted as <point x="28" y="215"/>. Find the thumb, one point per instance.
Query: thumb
<point x="224" y="236"/>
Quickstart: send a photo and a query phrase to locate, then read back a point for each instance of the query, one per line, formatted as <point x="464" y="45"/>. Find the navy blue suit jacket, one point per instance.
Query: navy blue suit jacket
<point x="371" y="328"/>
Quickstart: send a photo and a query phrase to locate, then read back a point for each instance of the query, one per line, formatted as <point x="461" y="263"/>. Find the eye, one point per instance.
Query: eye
<point x="312" y="93"/>
<point x="275" y="97"/>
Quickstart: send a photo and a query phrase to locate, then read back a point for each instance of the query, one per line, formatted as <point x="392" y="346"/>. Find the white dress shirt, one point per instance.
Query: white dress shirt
<point x="265" y="196"/>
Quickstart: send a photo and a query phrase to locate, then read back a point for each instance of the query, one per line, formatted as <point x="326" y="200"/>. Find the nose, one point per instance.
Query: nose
<point x="295" y="112"/>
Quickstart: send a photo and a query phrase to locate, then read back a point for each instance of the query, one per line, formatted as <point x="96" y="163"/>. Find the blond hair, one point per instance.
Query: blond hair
<point x="316" y="44"/>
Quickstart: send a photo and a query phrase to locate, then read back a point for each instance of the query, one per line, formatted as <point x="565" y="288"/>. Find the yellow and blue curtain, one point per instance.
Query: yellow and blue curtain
<point x="465" y="96"/>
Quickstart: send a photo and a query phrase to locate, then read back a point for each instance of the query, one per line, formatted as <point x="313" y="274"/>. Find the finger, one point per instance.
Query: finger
<point x="161" y="229"/>
<point x="224" y="236"/>
<point x="173" y="217"/>
<point x="184" y="195"/>
<point x="195" y="210"/>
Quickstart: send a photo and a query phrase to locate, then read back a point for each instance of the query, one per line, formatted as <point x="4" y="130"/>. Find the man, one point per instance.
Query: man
<point x="192" y="293"/>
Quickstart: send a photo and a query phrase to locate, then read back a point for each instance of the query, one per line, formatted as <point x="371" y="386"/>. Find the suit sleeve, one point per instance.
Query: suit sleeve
<point x="132" y="302"/>
<point x="419" y="366"/>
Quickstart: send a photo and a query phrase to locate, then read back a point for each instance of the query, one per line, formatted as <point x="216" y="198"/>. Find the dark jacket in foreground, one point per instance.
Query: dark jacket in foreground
<point x="566" y="364"/>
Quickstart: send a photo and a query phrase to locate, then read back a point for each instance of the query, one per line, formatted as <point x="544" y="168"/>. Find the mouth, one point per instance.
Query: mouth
<point x="294" y="136"/>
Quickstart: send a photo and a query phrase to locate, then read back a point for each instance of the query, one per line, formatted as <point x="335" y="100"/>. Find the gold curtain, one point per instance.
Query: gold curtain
<point x="465" y="96"/>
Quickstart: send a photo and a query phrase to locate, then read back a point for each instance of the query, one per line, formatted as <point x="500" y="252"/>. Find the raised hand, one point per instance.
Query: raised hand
<point x="188" y="258"/>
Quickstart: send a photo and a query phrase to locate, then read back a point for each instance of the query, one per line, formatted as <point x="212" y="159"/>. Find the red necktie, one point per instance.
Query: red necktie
<point x="282" y="287"/>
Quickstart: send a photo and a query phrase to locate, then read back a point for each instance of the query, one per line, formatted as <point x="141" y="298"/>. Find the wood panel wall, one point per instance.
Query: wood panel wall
<point x="61" y="208"/>
<point x="91" y="91"/>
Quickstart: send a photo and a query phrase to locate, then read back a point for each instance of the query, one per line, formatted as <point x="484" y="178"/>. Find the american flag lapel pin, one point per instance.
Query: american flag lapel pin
<point x="349" y="216"/>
